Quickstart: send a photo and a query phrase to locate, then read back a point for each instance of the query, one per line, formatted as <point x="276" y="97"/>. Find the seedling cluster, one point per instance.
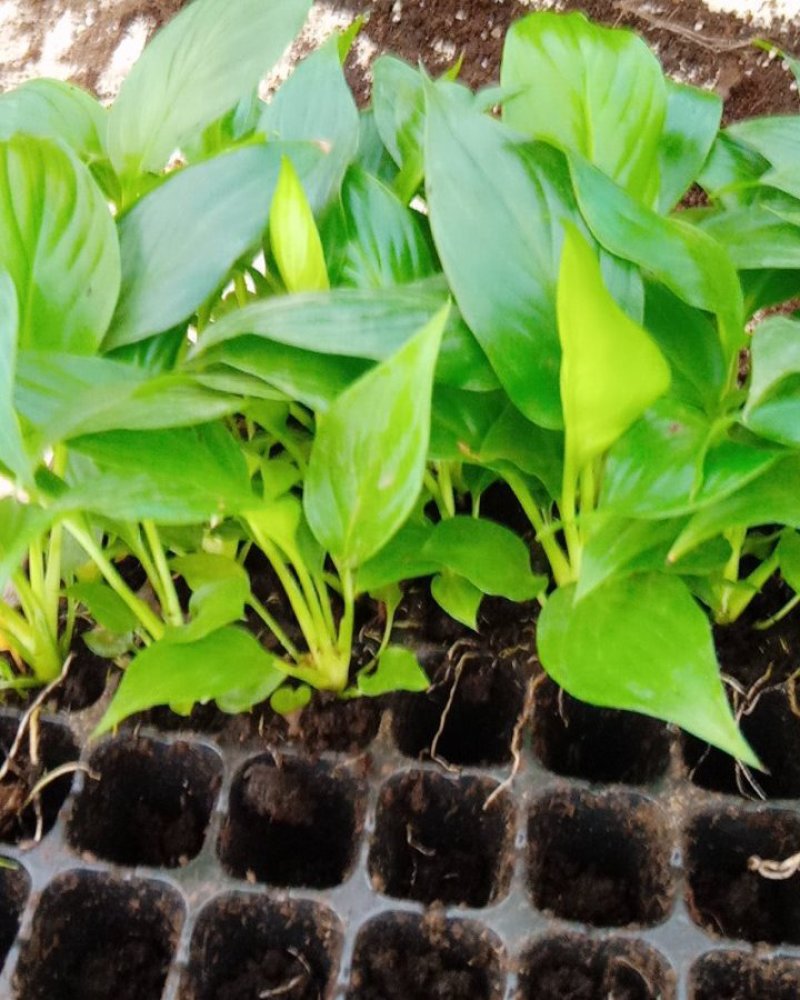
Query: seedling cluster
<point x="293" y="327"/>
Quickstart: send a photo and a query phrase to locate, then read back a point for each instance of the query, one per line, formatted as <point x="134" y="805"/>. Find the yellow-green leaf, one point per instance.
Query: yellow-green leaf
<point x="294" y="236"/>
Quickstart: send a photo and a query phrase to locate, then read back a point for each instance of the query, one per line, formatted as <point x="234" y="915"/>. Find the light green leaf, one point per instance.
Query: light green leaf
<point x="179" y="242"/>
<point x="20" y="524"/>
<point x="398" y="670"/>
<point x="684" y="258"/>
<point x="12" y="447"/>
<point x="59" y="245"/>
<point x="218" y="666"/>
<point x="611" y="369"/>
<point x="773" y="401"/>
<point x="488" y="555"/>
<point x="294" y="237"/>
<point x="288" y="699"/>
<point x="755" y="236"/>
<point x="641" y="643"/>
<point x="52" y="109"/>
<point x="368" y="459"/>
<point x="500" y="257"/>
<point x="398" y="101"/>
<point x="105" y="606"/>
<point x="691" y="126"/>
<point x="513" y="440"/>
<point x="606" y="95"/>
<point x="220" y="588"/>
<point x="400" y="559"/>
<point x="193" y="71"/>
<point x="458" y="597"/>
<point x="315" y="105"/>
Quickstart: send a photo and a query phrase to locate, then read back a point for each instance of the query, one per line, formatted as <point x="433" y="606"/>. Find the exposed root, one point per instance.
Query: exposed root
<point x="710" y="42"/>
<point x="777" y="871"/>
<point x="516" y="739"/>
<point x="459" y="668"/>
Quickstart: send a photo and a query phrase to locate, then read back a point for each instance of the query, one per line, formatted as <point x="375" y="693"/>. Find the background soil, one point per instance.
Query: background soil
<point x="94" y="42"/>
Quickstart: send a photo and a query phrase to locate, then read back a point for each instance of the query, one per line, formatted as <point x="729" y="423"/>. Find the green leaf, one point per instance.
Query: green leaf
<point x="294" y="237"/>
<point x="684" y="258"/>
<point x="398" y="670"/>
<point x="641" y="643"/>
<point x="777" y="139"/>
<point x="691" y="126"/>
<point x="315" y="105"/>
<point x="52" y="109"/>
<point x="674" y="460"/>
<point x="458" y="597"/>
<point x="789" y="558"/>
<point x="105" y="606"/>
<point x="398" y="101"/>
<point x="177" y="476"/>
<point x="220" y="589"/>
<point x="59" y="245"/>
<point x="368" y="459"/>
<point x="400" y="559"/>
<point x="372" y="240"/>
<point x="220" y="665"/>
<point x="193" y="71"/>
<point x="611" y="369"/>
<point x="773" y="401"/>
<point x="732" y="171"/>
<point x="488" y="555"/>
<point x="755" y="236"/>
<point x="12" y="447"/>
<point x="606" y="95"/>
<point x="179" y="242"/>
<point x="460" y="421"/>
<point x="513" y="440"/>
<point x="501" y="257"/>
<point x="772" y="498"/>
<point x="289" y="699"/>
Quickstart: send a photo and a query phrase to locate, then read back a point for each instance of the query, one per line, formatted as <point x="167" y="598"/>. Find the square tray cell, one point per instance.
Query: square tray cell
<point x="730" y="975"/>
<point x="402" y="956"/>
<point x="601" y="859"/>
<point x="480" y="703"/>
<point x="96" y="937"/>
<point x="580" y="741"/>
<point x="149" y="804"/>
<point x="572" y="965"/>
<point x="435" y="842"/>
<point x="726" y="897"/>
<point x="247" y="946"/>
<point x="15" y="885"/>
<point x="53" y="746"/>
<point x="292" y="823"/>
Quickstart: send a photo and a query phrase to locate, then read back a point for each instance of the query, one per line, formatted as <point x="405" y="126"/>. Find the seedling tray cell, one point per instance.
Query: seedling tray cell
<point x="203" y="861"/>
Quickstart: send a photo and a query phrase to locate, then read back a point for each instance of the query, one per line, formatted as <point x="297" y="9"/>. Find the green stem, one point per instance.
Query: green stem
<point x="779" y="615"/>
<point x="730" y="576"/>
<point x="52" y="579"/>
<point x="345" y="643"/>
<point x="562" y="571"/>
<point x="446" y="488"/>
<point x="144" y="614"/>
<point x="12" y="623"/>
<point x="432" y="486"/>
<point x="736" y="604"/>
<point x="172" y="609"/>
<point x="568" y="517"/>
<point x="274" y="627"/>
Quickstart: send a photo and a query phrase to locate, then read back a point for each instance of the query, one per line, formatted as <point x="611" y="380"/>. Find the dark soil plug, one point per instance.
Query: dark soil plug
<point x="573" y="967"/>
<point x="475" y="707"/>
<point x="246" y="947"/>
<point x="292" y="823"/>
<point x="728" y="975"/>
<point x="773" y="731"/>
<point x="600" y="859"/>
<point x="580" y="741"/>
<point x="725" y="896"/>
<point x="407" y="957"/>
<point x="54" y="746"/>
<point x="96" y="937"/>
<point x="434" y="841"/>
<point x="14" y="888"/>
<point x="150" y="805"/>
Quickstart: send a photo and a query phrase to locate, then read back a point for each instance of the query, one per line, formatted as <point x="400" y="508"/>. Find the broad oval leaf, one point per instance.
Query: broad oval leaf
<point x="611" y="369"/>
<point x="397" y="670"/>
<point x="59" y="245"/>
<point x="606" y="97"/>
<point x="222" y="665"/>
<point x="690" y="128"/>
<point x="641" y="643"/>
<point x="398" y="101"/>
<point x="501" y="257"/>
<point x="53" y="109"/>
<point x="773" y="400"/>
<point x="489" y="555"/>
<point x="368" y="458"/>
<point x="755" y="236"/>
<point x="456" y="595"/>
<point x="179" y="242"/>
<point x="193" y="71"/>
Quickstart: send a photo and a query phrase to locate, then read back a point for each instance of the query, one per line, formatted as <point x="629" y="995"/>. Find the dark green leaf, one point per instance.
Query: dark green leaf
<point x="641" y="643"/>
<point x="59" y="245"/>
<point x="221" y="665"/>
<point x="400" y="559"/>
<point x="196" y="69"/>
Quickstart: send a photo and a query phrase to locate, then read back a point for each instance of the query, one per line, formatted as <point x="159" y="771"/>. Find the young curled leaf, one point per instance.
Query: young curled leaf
<point x="294" y="236"/>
